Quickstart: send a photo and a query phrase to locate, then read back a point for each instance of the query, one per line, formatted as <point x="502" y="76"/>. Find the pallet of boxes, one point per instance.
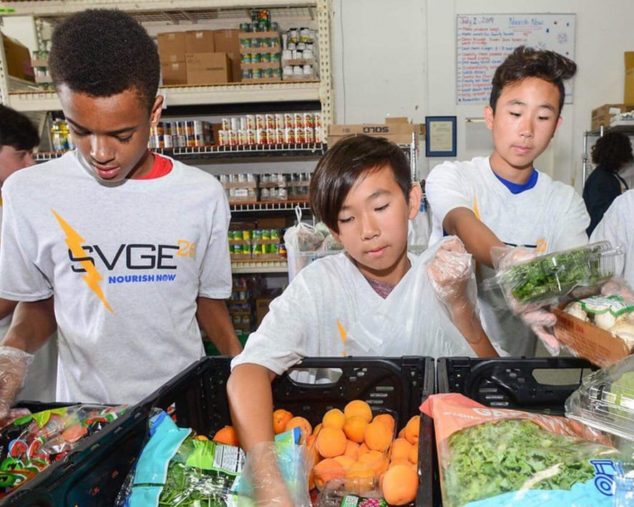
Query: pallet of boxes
<point x="199" y="57"/>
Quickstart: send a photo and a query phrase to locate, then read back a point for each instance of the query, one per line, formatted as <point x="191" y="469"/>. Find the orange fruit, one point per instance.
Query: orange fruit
<point x="359" y="408"/>
<point x="345" y="461"/>
<point x="352" y="450"/>
<point x="413" y="454"/>
<point x="363" y="449"/>
<point x="377" y="436"/>
<point x="399" y="461"/>
<point x="334" y="418"/>
<point x="412" y="429"/>
<point x="227" y="436"/>
<point x="376" y="460"/>
<point x="327" y="470"/>
<point x="399" y="485"/>
<point x="400" y="449"/>
<point x="331" y="442"/>
<point x="317" y="429"/>
<point x="386" y="419"/>
<point x="354" y="428"/>
<point x="280" y="419"/>
<point x="301" y="423"/>
<point x="360" y="478"/>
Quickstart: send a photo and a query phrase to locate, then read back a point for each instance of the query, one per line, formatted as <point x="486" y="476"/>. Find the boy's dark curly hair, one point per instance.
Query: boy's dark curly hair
<point x="612" y="151"/>
<point x="103" y="52"/>
<point x="526" y="62"/>
<point x="17" y="130"/>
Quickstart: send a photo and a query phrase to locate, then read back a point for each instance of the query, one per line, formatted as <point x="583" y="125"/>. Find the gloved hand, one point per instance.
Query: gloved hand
<point x="450" y="271"/>
<point x="14" y="364"/>
<point x="262" y="473"/>
<point x="540" y="320"/>
<point x="618" y="286"/>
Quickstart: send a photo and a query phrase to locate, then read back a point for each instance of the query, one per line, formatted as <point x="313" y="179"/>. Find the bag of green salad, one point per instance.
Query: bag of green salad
<point x="491" y="457"/>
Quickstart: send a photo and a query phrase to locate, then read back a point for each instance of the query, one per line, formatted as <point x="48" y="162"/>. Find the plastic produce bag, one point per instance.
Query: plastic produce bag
<point x="546" y="279"/>
<point x="499" y="457"/>
<point x="178" y="468"/>
<point x="305" y="243"/>
<point x="33" y="442"/>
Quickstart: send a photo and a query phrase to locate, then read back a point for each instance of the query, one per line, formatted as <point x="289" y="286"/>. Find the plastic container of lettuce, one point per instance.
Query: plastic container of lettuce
<point x="605" y="400"/>
<point x="546" y="279"/>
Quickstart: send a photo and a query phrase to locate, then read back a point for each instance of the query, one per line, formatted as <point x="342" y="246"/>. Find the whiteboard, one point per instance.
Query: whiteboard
<point x="485" y="40"/>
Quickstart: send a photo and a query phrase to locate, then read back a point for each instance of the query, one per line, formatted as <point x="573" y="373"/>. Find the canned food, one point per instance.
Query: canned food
<point x="261" y="136"/>
<point x="233" y="137"/>
<point x="247" y="74"/>
<point x="275" y="57"/>
<point x="242" y="137"/>
<point x="246" y="27"/>
<point x="289" y="135"/>
<point x="279" y="121"/>
<point x="155" y="141"/>
<point x="319" y="135"/>
<point x="226" y="123"/>
<point x="309" y="120"/>
<point x="289" y="121"/>
<point x="250" y="121"/>
<point x="245" y="58"/>
<point x="298" y="119"/>
<point x="299" y="135"/>
<point x="270" y="136"/>
<point x="260" y="121"/>
<point x="317" y="117"/>
<point x="266" y="234"/>
<point x="264" y="195"/>
<point x="235" y="123"/>
<point x="245" y="42"/>
<point x="270" y="121"/>
<point x="309" y="135"/>
<point x="256" y="58"/>
<point x="279" y="136"/>
<point x="265" y="57"/>
<point x="251" y="136"/>
<point x="168" y="142"/>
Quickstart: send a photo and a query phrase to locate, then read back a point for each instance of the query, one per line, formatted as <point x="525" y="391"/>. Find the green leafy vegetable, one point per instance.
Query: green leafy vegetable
<point x="555" y="274"/>
<point x="498" y="457"/>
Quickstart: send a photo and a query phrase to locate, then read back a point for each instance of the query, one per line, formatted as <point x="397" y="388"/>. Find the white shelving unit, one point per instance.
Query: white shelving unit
<point x="197" y="13"/>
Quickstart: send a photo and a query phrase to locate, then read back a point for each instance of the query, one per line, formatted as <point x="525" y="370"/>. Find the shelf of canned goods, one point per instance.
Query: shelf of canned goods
<point x="259" y="267"/>
<point x="195" y="14"/>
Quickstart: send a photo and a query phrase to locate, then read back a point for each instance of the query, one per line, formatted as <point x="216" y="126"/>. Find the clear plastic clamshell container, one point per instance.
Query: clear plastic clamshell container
<point x="548" y="278"/>
<point x="605" y="400"/>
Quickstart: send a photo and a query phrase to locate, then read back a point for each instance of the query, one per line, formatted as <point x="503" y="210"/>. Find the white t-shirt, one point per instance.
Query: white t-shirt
<point x="550" y="216"/>
<point x="302" y="321"/>
<point x="125" y="264"/>
<point x="616" y="227"/>
<point x="39" y="384"/>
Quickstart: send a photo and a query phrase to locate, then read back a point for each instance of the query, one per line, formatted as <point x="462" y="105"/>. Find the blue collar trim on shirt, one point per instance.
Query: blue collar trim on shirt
<point x="519" y="188"/>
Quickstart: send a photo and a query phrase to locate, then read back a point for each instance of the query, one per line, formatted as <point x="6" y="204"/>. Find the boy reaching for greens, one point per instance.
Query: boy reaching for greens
<point x="502" y="200"/>
<point x="389" y="302"/>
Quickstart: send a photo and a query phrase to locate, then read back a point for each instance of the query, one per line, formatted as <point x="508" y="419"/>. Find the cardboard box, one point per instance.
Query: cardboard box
<point x="228" y="41"/>
<point x="174" y="73"/>
<point x="17" y="59"/>
<point x="171" y="46"/>
<point x="200" y="41"/>
<point x="628" y="94"/>
<point x="208" y="68"/>
<point x="399" y="132"/>
<point x="589" y="341"/>
<point x="601" y="116"/>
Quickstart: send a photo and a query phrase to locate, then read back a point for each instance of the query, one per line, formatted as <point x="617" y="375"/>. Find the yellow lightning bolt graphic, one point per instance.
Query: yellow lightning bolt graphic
<point x="476" y="210"/>
<point x="92" y="277"/>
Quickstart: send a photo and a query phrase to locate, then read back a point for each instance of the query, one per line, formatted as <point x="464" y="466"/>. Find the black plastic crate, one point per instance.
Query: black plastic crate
<point x="93" y="474"/>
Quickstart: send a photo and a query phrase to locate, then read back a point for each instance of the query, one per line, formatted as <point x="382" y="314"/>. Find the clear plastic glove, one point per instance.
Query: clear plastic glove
<point x="266" y="482"/>
<point x="619" y="287"/>
<point x="14" y="364"/>
<point x="450" y="271"/>
<point x="540" y="320"/>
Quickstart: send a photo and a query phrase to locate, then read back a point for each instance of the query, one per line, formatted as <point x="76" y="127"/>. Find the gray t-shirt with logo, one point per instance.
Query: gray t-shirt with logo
<point x="125" y="264"/>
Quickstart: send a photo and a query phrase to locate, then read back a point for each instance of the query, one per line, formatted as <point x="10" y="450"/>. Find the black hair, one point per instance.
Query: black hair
<point x="103" y="52"/>
<point x="17" y="130"/>
<point x="526" y="62"/>
<point x="613" y="150"/>
<point x="344" y="163"/>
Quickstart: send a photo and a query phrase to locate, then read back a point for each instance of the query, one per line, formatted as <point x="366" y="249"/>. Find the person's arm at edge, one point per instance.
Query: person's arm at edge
<point x="478" y="239"/>
<point x="251" y="403"/>
<point x="213" y="317"/>
<point x="32" y="324"/>
<point x="465" y="318"/>
<point x="6" y="307"/>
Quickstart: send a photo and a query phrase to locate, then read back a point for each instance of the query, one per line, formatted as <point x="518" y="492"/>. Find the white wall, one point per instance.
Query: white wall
<point x="399" y="58"/>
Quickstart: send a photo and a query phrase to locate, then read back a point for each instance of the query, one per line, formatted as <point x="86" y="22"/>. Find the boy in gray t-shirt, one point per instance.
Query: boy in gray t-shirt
<point x="132" y="245"/>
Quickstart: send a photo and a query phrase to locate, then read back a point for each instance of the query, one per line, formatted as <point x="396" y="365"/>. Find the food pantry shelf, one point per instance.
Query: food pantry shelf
<point x="259" y="267"/>
<point x="237" y="93"/>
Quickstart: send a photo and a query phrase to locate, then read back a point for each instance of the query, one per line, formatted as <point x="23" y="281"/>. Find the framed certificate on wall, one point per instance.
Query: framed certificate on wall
<point x="440" y="136"/>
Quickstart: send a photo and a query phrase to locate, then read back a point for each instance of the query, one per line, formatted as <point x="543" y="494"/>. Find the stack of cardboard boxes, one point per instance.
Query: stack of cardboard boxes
<point x="200" y="57"/>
